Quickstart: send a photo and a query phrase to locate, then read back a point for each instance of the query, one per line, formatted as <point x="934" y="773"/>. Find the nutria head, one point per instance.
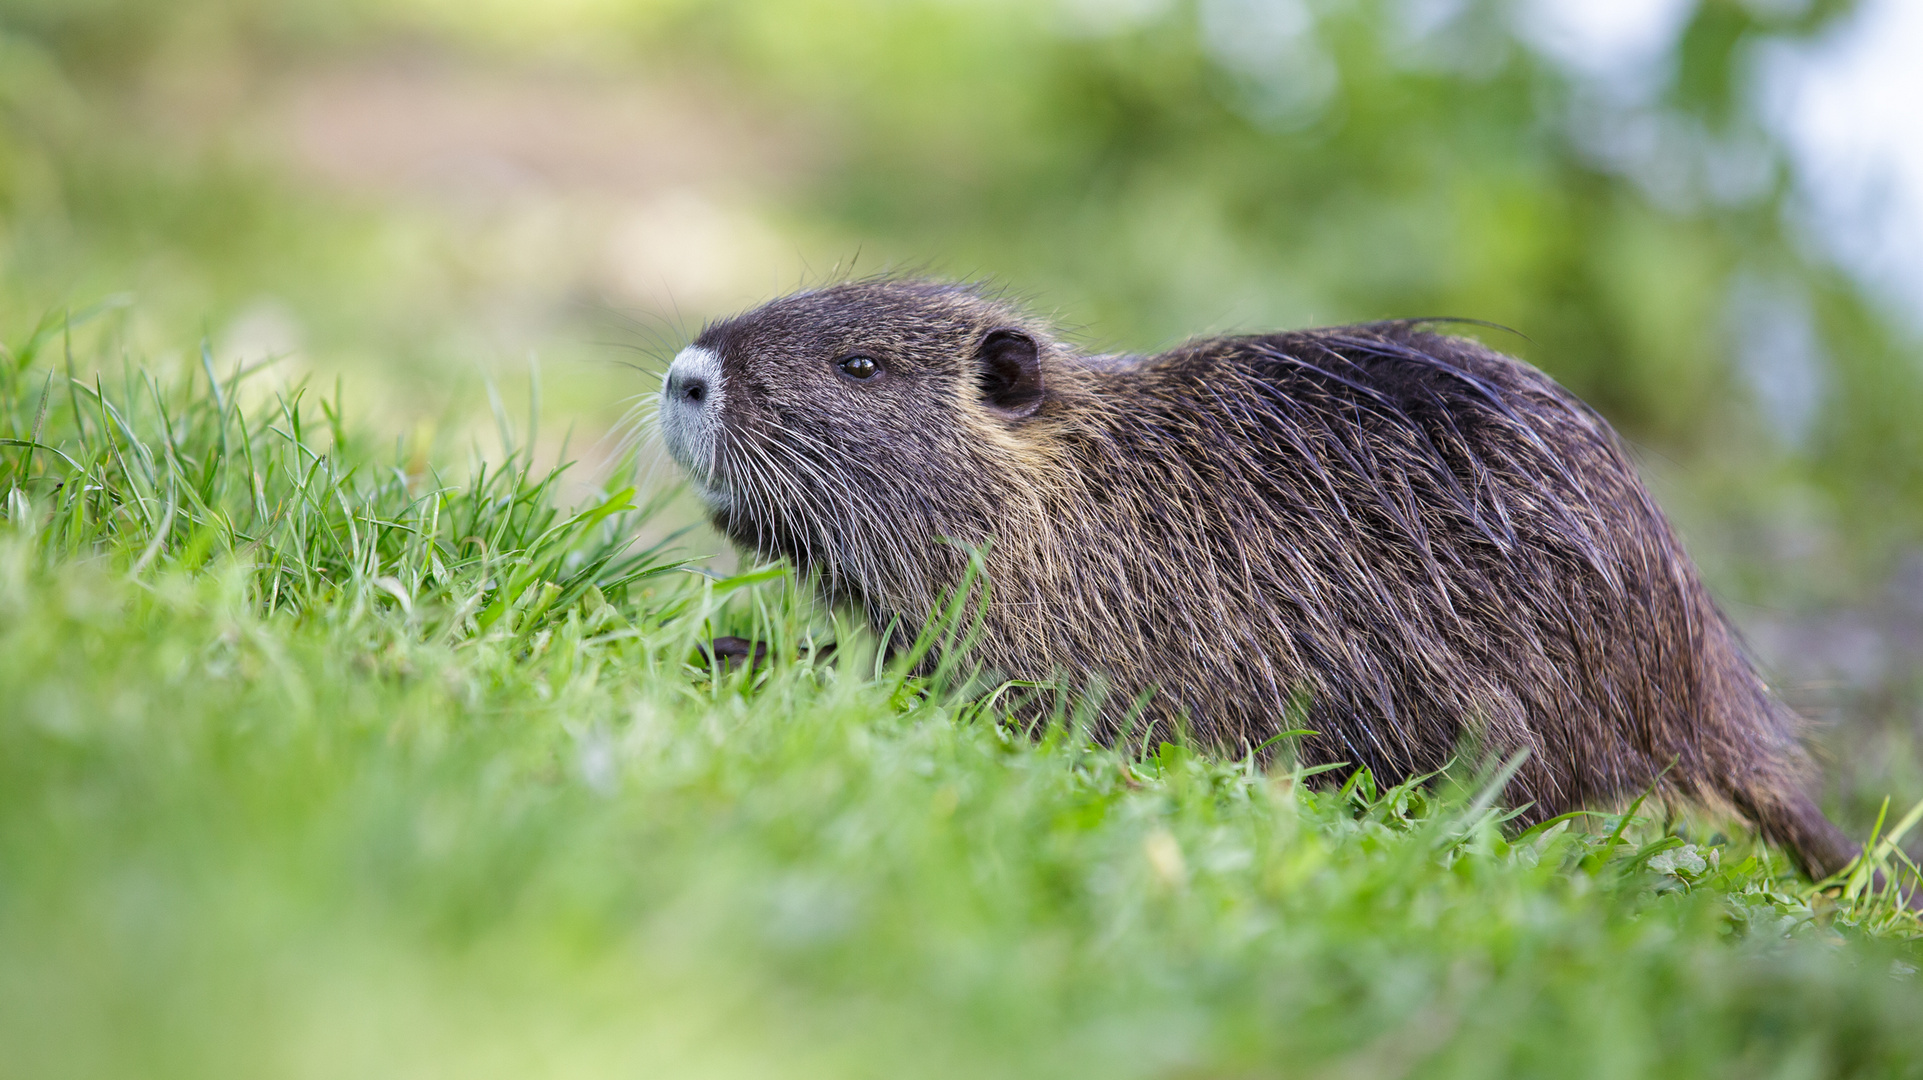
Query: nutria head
<point x="843" y="427"/>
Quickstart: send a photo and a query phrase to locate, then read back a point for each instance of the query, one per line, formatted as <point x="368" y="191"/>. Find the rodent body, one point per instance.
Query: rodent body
<point x="1400" y="540"/>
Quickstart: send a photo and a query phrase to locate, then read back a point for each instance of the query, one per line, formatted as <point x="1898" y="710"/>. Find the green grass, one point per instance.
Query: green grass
<point x="314" y="762"/>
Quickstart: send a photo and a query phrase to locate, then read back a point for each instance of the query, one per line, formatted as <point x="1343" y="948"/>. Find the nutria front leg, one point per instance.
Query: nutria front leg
<point x="731" y="652"/>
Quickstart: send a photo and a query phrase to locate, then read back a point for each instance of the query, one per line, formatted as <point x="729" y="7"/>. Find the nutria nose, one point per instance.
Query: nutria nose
<point x="692" y="398"/>
<point x="692" y="388"/>
<point x="693" y="385"/>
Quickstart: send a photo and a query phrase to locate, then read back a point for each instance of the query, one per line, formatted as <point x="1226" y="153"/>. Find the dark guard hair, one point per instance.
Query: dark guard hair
<point x="1424" y="541"/>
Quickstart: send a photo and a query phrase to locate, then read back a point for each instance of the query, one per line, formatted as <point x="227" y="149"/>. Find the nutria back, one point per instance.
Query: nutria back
<point x="1401" y="540"/>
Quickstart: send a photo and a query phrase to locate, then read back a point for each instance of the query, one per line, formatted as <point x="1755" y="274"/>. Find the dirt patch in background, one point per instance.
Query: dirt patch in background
<point x="651" y="191"/>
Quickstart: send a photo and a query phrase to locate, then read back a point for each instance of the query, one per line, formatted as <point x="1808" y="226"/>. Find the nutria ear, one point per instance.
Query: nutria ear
<point x="1009" y="369"/>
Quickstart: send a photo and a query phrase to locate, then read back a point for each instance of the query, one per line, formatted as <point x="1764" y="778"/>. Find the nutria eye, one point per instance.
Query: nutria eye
<point x="858" y="367"/>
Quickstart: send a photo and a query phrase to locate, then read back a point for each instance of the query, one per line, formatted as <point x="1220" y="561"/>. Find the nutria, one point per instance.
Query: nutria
<point x="1417" y="542"/>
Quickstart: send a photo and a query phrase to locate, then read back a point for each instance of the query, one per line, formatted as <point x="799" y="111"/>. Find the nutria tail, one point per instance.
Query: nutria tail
<point x="1790" y="819"/>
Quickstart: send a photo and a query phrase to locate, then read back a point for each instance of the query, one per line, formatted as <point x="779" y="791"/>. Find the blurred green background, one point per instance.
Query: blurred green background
<point x="425" y="197"/>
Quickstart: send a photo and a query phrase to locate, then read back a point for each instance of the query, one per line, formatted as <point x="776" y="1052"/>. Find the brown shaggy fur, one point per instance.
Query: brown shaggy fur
<point x="1423" y="541"/>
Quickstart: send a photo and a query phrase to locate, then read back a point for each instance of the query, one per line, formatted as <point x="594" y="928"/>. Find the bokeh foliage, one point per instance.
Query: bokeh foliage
<point x="1149" y="170"/>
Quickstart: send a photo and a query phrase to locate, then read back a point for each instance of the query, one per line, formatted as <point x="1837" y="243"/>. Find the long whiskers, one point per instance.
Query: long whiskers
<point x="638" y="436"/>
<point x="831" y="510"/>
<point x="851" y="510"/>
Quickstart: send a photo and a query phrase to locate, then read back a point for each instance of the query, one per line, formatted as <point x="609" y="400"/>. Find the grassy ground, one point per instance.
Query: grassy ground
<point x="317" y="762"/>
